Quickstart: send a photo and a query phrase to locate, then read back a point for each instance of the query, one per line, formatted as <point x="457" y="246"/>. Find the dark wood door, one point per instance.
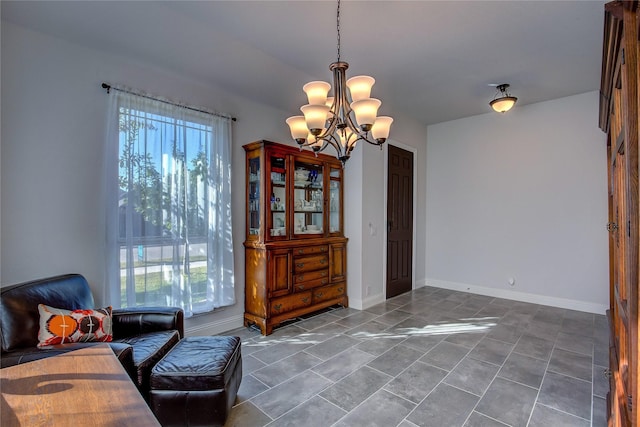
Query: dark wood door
<point x="399" y="221"/>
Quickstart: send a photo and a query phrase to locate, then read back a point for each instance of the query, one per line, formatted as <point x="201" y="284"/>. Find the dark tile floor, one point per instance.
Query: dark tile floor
<point x="432" y="357"/>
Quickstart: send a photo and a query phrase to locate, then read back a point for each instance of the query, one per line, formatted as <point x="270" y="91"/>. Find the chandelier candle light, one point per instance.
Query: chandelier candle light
<point x="330" y="120"/>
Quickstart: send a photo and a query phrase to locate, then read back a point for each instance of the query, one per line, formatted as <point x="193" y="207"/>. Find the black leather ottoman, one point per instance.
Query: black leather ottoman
<point x="195" y="384"/>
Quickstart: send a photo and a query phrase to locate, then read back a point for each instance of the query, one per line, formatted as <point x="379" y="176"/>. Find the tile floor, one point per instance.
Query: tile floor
<point x="431" y="357"/>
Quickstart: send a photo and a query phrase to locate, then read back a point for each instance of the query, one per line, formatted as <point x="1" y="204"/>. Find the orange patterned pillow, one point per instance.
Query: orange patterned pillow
<point x="59" y="326"/>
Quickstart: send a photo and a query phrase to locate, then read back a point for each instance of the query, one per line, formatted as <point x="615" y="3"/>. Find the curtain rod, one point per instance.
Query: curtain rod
<point x="108" y="87"/>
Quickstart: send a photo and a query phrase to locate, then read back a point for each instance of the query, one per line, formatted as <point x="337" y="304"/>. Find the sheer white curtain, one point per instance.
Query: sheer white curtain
<point x="168" y="188"/>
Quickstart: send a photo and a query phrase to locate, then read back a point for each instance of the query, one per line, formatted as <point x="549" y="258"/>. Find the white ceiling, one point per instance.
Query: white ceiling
<point x="432" y="60"/>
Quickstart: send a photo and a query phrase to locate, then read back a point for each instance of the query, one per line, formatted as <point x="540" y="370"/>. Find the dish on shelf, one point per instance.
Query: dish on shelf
<point x="301" y="174"/>
<point x="301" y="183"/>
<point x="276" y="182"/>
<point x="318" y="231"/>
<point x="278" y="231"/>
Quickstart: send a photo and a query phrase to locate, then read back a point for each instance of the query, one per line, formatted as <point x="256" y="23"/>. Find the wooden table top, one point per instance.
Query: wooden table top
<point x="87" y="387"/>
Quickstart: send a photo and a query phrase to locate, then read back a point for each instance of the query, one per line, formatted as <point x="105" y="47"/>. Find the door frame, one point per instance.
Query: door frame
<point x="415" y="193"/>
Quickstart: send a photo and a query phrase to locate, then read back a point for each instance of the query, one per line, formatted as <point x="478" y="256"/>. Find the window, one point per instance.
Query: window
<point x="169" y="213"/>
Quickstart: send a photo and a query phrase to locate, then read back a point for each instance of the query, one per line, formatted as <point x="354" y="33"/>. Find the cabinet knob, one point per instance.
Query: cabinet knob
<point x="300" y="265"/>
<point x="300" y="251"/>
<point x="612" y="226"/>
<point x="322" y="261"/>
<point x="305" y="300"/>
<point x="324" y="281"/>
<point x="319" y="294"/>
<point x="300" y="287"/>
<point x="340" y="289"/>
<point x="277" y="307"/>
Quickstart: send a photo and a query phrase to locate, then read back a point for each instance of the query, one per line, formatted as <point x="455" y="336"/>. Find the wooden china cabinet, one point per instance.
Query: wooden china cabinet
<point x="619" y="108"/>
<point x="295" y="250"/>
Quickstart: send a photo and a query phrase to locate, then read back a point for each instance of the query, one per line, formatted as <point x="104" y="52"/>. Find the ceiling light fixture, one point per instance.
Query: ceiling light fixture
<point x="503" y="101"/>
<point x="343" y="119"/>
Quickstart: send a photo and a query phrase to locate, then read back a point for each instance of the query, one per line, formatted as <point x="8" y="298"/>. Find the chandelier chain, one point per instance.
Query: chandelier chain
<point x="338" y="28"/>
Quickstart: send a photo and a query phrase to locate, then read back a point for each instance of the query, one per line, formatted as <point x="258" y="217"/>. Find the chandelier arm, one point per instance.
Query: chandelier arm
<point x="331" y="140"/>
<point x="333" y="124"/>
<point x="365" y="137"/>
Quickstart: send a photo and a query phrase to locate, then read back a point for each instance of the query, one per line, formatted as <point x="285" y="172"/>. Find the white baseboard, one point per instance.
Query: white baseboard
<point x="420" y="283"/>
<point x="217" y="327"/>
<point x="372" y="300"/>
<point x="356" y="303"/>
<point x="570" y="304"/>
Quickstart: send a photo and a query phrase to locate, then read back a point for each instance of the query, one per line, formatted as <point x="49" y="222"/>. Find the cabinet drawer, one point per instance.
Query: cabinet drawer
<point x="312" y="275"/>
<point x="289" y="303"/>
<point x="329" y="292"/>
<point x="310" y="263"/>
<point x="311" y="250"/>
<point x="310" y="284"/>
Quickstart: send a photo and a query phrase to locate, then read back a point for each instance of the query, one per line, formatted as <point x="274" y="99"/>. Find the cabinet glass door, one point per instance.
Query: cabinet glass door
<point x="335" y="183"/>
<point x="278" y="196"/>
<point x="308" y="198"/>
<point x="253" y="188"/>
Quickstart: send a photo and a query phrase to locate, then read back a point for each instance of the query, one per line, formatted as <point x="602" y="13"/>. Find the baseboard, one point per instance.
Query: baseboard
<point x="372" y="300"/>
<point x="420" y="283"/>
<point x="217" y="327"/>
<point x="570" y="304"/>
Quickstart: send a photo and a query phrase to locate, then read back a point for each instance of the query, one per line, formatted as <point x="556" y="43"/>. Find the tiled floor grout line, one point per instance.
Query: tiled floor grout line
<point x="442" y="380"/>
<point x="380" y="388"/>
<point x="593" y="385"/>
<point x="493" y="379"/>
<point x="544" y="375"/>
<point x="413" y="303"/>
<point x="564" y="412"/>
<point x="393" y="378"/>
<point x="305" y="401"/>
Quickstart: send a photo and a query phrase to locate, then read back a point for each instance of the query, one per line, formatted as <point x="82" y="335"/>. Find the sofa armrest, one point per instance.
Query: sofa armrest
<point x="140" y="320"/>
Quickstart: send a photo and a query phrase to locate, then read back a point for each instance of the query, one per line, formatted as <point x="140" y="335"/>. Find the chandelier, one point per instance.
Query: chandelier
<point x="345" y="118"/>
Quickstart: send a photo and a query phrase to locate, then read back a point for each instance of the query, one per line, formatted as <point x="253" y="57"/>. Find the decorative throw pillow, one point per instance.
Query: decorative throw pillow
<point x="59" y="326"/>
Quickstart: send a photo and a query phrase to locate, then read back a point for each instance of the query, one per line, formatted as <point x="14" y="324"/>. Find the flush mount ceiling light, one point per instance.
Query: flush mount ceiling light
<point x="343" y="119"/>
<point x="503" y="101"/>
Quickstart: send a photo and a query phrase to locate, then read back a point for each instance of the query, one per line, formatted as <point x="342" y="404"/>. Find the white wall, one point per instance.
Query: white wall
<point x="53" y="125"/>
<point x="521" y="195"/>
<point x="366" y="223"/>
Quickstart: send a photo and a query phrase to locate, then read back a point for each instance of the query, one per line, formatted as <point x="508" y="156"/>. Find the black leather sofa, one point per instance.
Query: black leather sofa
<point x="141" y="336"/>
